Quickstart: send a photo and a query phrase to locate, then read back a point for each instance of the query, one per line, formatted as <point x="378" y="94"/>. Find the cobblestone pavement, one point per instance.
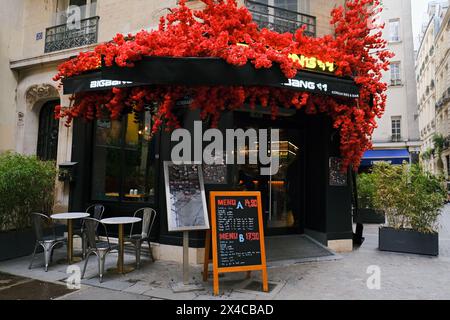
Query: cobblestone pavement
<point x="403" y="276"/>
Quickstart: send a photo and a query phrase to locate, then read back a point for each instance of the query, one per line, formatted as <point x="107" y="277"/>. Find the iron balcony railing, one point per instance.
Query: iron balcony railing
<point x="279" y="19"/>
<point x="68" y="36"/>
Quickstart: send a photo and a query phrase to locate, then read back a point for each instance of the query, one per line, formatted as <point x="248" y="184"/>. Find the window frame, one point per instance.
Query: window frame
<point x="151" y="162"/>
<point x="394" y="25"/>
<point x="395" y="73"/>
<point x="396" y="128"/>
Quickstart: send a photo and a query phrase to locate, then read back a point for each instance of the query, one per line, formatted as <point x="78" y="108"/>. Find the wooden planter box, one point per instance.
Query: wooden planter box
<point x="370" y="216"/>
<point x="16" y="244"/>
<point x="408" y="241"/>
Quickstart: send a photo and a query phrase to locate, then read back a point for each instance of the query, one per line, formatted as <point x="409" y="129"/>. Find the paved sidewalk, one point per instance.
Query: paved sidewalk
<point x="402" y="276"/>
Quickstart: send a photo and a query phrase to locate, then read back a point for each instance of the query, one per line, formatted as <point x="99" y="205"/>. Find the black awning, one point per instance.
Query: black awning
<point x="93" y="81"/>
<point x="209" y="72"/>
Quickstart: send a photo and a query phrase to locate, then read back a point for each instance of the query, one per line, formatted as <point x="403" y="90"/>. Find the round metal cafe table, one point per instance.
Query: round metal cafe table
<point x="121" y="221"/>
<point x="69" y="217"/>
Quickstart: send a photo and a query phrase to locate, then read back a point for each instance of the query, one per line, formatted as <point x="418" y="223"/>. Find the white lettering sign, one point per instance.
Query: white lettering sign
<point x="107" y="83"/>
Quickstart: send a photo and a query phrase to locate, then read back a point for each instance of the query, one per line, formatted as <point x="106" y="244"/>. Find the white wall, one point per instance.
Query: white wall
<point x="401" y="100"/>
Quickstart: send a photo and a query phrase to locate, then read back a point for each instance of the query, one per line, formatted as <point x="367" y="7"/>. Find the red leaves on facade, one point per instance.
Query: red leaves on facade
<point x="227" y="31"/>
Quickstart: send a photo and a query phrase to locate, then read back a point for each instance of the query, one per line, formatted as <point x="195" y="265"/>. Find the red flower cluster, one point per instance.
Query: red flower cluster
<point x="220" y="30"/>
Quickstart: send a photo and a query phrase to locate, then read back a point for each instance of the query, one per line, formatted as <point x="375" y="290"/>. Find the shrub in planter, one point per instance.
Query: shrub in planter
<point x="26" y="185"/>
<point x="367" y="213"/>
<point x="412" y="200"/>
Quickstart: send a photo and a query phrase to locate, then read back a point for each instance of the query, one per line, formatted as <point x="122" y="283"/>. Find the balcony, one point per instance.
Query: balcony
<point x="65" y="36"/>
<point x="281" y="20"/>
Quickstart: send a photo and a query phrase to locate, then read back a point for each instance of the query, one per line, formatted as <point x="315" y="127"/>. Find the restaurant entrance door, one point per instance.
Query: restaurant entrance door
<point x="282" y="193"/>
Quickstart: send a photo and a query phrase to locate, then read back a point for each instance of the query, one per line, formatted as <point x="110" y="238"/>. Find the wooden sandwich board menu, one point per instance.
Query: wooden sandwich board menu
<point x="237" y="234"/>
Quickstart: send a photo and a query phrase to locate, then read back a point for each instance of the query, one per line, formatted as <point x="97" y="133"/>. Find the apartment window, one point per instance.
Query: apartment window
<point x="291" y="5"/>
<point x="395" y="74"/>
<point x="72" y="26"/>
<point x="396" y="129"/>
<point x="88" y="9"/>
<point x="282" y="15"/>
<point x="394" y="30"/>
<point x="286" y="4"/>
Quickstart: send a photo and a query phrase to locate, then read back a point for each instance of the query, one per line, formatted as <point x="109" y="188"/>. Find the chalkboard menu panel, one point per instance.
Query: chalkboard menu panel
<point x="237" y="234"/>
<point x="237" y="230"/>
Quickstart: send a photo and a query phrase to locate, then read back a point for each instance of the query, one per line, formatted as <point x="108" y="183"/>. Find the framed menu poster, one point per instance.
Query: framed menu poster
<point x="237" y="234"/>
<point x="185" y="196"/>
<point x="337" y="177"/>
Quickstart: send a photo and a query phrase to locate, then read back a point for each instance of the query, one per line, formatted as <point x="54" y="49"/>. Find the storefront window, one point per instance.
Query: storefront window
<point x="123" y="160"/>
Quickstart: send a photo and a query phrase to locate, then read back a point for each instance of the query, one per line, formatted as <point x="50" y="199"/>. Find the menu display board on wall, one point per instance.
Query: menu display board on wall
<point x="215" y="174"/>
<point x="185" y="196"/>
<point x="237" y="234"/>
<point x="337" y="177"/>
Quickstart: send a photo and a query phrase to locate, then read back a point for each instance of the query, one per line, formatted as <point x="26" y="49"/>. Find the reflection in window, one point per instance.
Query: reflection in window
<point x="123" y="160"/>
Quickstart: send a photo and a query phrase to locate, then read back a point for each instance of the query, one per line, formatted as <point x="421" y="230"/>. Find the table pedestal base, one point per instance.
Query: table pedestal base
<point x="125" y="270"/>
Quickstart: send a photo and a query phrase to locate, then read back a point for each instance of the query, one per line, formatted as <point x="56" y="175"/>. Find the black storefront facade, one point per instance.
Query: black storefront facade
<point x="309" y="195"/>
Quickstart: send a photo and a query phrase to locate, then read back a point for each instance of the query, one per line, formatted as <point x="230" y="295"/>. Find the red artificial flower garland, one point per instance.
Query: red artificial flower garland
<point x="219" y="30"/>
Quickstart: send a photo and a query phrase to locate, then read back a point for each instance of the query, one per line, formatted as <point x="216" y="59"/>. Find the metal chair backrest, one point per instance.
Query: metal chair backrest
<point x="38" y="221"/>
<point x="91" y="225"/>
<point x="96" y="211"/>
<point x="148" y="216"/>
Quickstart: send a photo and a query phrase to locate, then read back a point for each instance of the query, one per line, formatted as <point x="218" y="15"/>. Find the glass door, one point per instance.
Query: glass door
<point x="281" y="193"/>
<point x="284" y="187"/>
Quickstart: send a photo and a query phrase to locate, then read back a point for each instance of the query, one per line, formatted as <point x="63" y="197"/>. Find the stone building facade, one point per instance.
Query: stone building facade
<point x="433" y="92"/>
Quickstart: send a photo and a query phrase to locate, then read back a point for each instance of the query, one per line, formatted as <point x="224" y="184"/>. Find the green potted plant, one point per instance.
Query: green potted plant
<point x="367" y="212"/>
<point x="26" y="185"/>
<point x="412" y="200"/>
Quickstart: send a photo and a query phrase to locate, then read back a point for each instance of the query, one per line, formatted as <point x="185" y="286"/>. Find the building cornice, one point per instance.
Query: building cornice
<point x="397" y="145"/>
<point x="47" y="59"/>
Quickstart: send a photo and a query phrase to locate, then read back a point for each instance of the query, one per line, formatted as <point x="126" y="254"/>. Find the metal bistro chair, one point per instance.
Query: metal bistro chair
<point x="47" y="242"/>
<point x="96" y="211"/>
<point x="99" y="248"/>
<point x="148" y="216"/>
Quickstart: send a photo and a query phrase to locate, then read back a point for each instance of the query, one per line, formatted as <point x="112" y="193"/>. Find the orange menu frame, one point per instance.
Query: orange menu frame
<point x="216" y="270"/>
